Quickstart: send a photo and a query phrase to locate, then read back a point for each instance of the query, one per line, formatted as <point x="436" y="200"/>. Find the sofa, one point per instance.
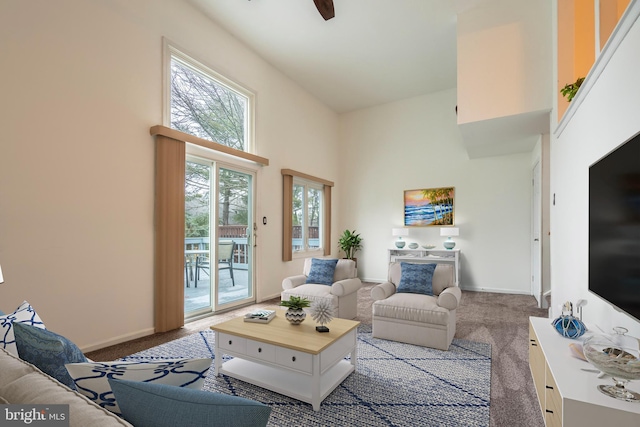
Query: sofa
<point x="39" y="368"/>
<point x="23" y="383"/>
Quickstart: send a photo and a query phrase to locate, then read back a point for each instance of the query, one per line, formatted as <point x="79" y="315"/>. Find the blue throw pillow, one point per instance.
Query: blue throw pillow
<point x="23" y="314"/>
<point x="416" y="278"/>
<point x="48" y="351"/>
<point x="322" y="271"/>
<point x="160" y="405"/>
<point x="91" y="378"/>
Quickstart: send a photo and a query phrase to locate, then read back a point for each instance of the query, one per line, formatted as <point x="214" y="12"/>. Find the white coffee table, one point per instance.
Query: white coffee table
<point x="293" y="360"/>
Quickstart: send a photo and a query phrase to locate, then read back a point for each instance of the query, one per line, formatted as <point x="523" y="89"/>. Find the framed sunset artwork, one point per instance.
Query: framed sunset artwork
<point x="429" y="206"/>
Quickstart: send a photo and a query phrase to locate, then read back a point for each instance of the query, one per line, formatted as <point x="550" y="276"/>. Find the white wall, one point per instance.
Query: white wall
<point x="413" y="144"/>
<point x="607" y="117"/>
<point x="81" y="86"/>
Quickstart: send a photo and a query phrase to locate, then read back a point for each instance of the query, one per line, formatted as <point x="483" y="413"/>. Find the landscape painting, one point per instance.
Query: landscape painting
<point x="427" y="207"/>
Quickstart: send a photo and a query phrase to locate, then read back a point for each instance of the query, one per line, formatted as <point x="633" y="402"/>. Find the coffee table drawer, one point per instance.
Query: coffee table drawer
<point x="294" y="359"/>
<point x="260" y="350"/>
<point x="233" y="343"/>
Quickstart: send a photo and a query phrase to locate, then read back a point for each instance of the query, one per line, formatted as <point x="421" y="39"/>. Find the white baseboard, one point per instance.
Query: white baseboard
<point x="496" y="290"/>
<point x="118" y="340"/>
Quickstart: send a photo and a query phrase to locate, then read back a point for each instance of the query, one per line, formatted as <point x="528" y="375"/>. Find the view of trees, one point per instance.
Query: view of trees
<point x="440" y="196"/>
<point x="207" y="109"/>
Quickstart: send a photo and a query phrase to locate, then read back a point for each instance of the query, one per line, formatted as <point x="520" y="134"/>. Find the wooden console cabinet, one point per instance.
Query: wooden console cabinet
<point x="568" y="395"/>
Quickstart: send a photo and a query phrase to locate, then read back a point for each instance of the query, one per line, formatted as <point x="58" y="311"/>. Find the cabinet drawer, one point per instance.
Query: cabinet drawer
<point x="260" y="350"/>
<point x="294" y="359"/>
<point x="553" y="401"/>
<point x="233" y="343"/>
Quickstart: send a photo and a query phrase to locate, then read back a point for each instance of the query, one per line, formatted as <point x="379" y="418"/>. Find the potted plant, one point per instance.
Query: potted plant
<point x="350" y="243"/>
<point x="295" y="313"/>
<point x="570" y="90"/>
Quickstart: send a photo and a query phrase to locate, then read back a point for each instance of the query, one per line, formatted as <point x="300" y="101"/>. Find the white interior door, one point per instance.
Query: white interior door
<point x="536" y="235"/>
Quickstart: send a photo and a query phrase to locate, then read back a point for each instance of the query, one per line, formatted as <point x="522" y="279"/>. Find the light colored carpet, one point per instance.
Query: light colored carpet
<point x="498" y="319"/>
<point x="394" y="384"/>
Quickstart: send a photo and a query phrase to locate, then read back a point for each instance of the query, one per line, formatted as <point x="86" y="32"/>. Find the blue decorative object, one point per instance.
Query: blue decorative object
<point x="416" y="278"/>
<point x="567" y="325"/>
<point x="321" y="271"/>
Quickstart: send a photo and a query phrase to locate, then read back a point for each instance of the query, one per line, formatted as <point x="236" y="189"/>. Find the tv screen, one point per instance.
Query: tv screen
<point x="614" y="227"/>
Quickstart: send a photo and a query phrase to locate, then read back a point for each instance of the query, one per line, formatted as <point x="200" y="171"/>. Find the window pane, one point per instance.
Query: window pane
<point x="205" y="108"/>
<point x="314" y="209"/>
<point x="197" y="231"/>
<point x="298" y="218"/>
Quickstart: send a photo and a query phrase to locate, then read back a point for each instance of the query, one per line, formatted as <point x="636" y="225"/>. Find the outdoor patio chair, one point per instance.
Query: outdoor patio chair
<point x="226" y="249"/>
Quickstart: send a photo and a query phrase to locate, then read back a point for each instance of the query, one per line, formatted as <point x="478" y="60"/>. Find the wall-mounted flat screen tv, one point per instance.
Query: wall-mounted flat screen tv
<point x="614" y="228"/>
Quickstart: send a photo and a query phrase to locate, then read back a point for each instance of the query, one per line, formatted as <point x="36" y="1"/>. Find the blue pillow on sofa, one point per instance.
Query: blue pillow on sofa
<point x="48" y="351"/>
<point x="321" y="271"/>
<point x="416" y="278"/>
<point x="159" y="405"/>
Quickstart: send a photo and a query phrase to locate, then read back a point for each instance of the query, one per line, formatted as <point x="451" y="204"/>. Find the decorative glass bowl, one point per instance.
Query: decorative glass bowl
<point x="617" y="356"/>
<point x="428" y="246"/>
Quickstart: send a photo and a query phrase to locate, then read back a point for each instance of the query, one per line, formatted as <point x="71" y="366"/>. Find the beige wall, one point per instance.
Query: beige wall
<point x="415" y="144"/>
<point x="504" y="67"/>
<point x="81" y="86"/>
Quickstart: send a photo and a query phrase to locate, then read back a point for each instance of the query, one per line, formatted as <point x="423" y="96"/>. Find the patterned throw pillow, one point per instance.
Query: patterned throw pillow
<point x="23" y="314"/>
<point x="322" y="270"/>
<point x="416" y="278"/>
<point x="48" y="351"/>
<point x="149" y="404"/>
<point x="92" y="378"/>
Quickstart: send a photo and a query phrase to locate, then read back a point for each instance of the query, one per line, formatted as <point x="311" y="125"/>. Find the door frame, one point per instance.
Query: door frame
<point x="221" y="160"/>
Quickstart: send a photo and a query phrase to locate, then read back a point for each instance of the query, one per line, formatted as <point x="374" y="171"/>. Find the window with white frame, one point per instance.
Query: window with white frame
<point x="205" y="104"/>
<point x="307" y="213"/>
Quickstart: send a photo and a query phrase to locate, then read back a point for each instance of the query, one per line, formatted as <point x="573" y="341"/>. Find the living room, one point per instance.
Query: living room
<point x="84" y="81"/>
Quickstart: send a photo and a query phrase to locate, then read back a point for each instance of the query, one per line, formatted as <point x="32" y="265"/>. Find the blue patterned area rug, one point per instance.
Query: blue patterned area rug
<point x="394" y="384"/>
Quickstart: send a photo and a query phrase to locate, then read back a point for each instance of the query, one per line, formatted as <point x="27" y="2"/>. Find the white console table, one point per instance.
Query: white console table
<point x="428" y="256"/>
<point x="568" y="395"/>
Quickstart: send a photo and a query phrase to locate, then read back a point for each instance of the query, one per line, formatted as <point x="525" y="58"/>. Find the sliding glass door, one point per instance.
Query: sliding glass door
<point x="218" y="237"/>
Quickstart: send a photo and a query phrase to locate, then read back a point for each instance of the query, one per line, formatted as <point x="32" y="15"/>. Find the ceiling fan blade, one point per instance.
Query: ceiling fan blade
<point x="325" y="7"/>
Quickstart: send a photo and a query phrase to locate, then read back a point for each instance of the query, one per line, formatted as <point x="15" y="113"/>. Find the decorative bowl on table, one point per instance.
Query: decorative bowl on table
<point x="428" y="246"/>
<point x="413" y="246"/>
<point x="615" y="355"/>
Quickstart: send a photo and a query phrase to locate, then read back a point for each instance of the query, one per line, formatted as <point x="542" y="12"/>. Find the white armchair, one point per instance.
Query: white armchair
<point x="417" y="319"/>
<point x="343" y="293"/>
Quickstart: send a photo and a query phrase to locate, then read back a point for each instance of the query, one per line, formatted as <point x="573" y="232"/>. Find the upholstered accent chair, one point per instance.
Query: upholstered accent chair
<point x="342" y="292"/>
<point x="415" y="318"/>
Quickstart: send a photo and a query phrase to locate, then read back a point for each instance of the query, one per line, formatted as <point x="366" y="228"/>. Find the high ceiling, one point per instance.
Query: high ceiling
<point x="371" y="53"/>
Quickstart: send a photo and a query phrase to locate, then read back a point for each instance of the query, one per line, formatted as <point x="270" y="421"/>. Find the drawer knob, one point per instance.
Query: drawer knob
<point x="259" y="349"/>
<point x="546" y="410"/>
<point x="293" y="359"/>
<point x="230" y="342"/>
<point x="548" y="387"/>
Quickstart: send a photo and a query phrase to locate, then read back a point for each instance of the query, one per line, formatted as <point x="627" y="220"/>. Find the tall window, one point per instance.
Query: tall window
<point x="307" y="215"/>
<point x="207" y="105"/>
<point x="307" y="208"/>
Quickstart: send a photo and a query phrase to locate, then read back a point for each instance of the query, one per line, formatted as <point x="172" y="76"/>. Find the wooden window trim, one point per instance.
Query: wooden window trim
<point x="181" y="136"/>
<point x="287" y="209"/>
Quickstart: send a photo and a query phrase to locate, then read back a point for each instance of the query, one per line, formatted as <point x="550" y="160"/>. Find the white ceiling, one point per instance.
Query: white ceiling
<point x="371" y="53"/>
